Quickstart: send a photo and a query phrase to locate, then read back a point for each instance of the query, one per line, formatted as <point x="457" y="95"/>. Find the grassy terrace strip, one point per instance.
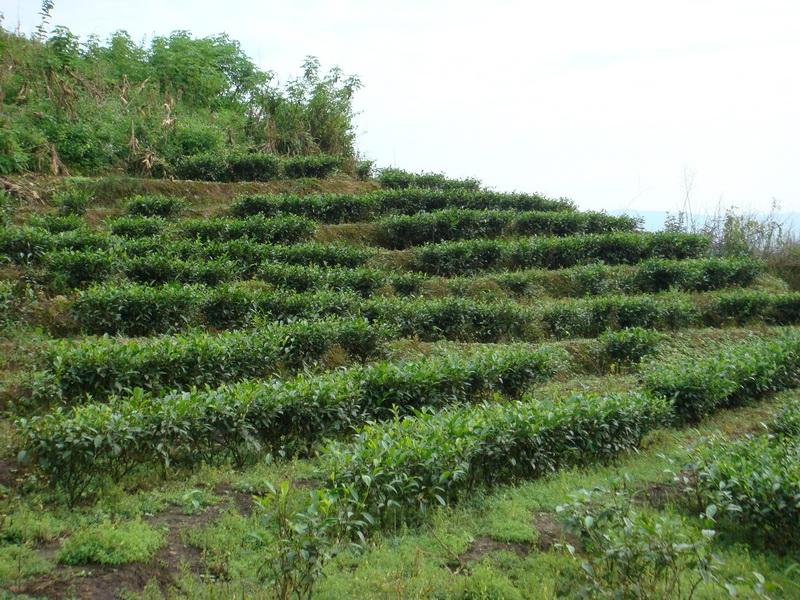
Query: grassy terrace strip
<point x="99" y="367"/>
<point x="343" y="208"/>
<point x="135" y="309"/>
<point x="404" y="231"/>
<point x="742" y="371"/>
<point x="79" y="448"/>
<point x="393" y="473"/>
<point x="471" y="256"/>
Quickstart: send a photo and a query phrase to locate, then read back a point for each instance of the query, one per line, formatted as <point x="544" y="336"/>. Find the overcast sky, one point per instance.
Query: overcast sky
<point x="609" y="103"/>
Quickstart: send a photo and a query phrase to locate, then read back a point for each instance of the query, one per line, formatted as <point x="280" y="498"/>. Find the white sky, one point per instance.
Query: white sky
<point x="608" y="103"/>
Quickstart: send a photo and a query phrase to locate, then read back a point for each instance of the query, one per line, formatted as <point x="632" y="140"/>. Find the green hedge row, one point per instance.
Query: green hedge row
<point x="69" y="269"/>
<point x="470" y="256"/>
<point x="102" y="366"/>
<point x="394" y="473"/>
<point x="135" y="309"/>
<point x="403" y="231"/>
<point x="285" y="229"/>
<point x="254" y="166"/>
<point x="342" y="208"/>
<point x="154" y="206"/>
<point x="650" y="275"/>
<point x="734" y="374"/>
<point x="80" y="447"/>
<point x="29" y="244"/>
<point x="391" y="178"/>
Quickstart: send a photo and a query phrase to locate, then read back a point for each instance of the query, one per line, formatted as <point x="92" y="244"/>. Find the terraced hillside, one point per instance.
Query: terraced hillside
<point x="400" y="391"/>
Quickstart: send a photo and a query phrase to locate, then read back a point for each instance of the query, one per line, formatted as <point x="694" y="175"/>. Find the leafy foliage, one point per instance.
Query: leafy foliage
<point x="394" y="473"/>
<point x="399" y="179"/>
<point x="734" y="374"/>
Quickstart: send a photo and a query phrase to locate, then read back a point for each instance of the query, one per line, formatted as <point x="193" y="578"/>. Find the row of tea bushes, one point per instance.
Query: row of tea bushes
<point x="344" y="208"/>
<point x="391" y="178"/>
<point x="134" y="309"/>
<point x="285" y="229"/>
<point x="471" y="256"/>
<point x="650" y="275"/>
<point x="745" y="370"/>
<point x="394" y="473"/>
<point x="81" y="447"/>
<point x="29" y="244"/>
<point x="254" y="166"/>
<point x="755" y="481"/>
<point x="70" y="269"/>
<point x="99" y="367"/>
<point x="404" y="231"/>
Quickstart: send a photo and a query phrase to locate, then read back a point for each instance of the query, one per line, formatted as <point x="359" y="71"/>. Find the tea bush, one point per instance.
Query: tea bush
<point x="136" y="226"/>
<point x="103" y="366"/>
<point x="154" y="206"/>
<point x="402" y="231"/>
<point x="57" y="223"/>
<point x="755" y="484"/>
<point x="391" y="178"/>
<point x="327" y="208"/>
<point x="314" y="165"/>
<point x="464" y="257"/>
<point x="394" y="473"/>
<point x="278" y="230"/>
<point x="79" y="448"/>
<point x="745" y="370"/>
<point x="341" y="208"/>
<point x="72" y="202"/>
<point x="252" y="166"/>
<point x="628" y="346"/>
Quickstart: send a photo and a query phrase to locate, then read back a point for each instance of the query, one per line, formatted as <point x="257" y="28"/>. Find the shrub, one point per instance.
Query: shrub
<point x="392" y="178"/>
<point x="464" y="257"/>
<point x="108" y="543"/>
<point x="68" y="269"/>
<point x="402" y="231"/>
<point x="72" y="202"/>
<point x="136" y="226"/>
<point x="155" y="269"/>
<point x="154" y="206"/>
<point x="206" y="166"/>
<point x="395" y="472"/>
<point x="136" y="309"/>
<point x="57" y="223"/>
<point x="277" y="230"/>
<point x="787" y="421"/>
<point x="364" y="169"/>
<point x="632" y="552"/>
<point x="736" y="373"/>
<point x="338" y="208"/>
<point x="327" y="208"/>
<point x="755" y="484"/>
<point x="78" y="449"/>
<point x="313" y="165"/>
<point x="99" y="367"/>
<point x="252" y="166"/>
<point x="628" y="345"/>
<point x="29" y="244"/>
